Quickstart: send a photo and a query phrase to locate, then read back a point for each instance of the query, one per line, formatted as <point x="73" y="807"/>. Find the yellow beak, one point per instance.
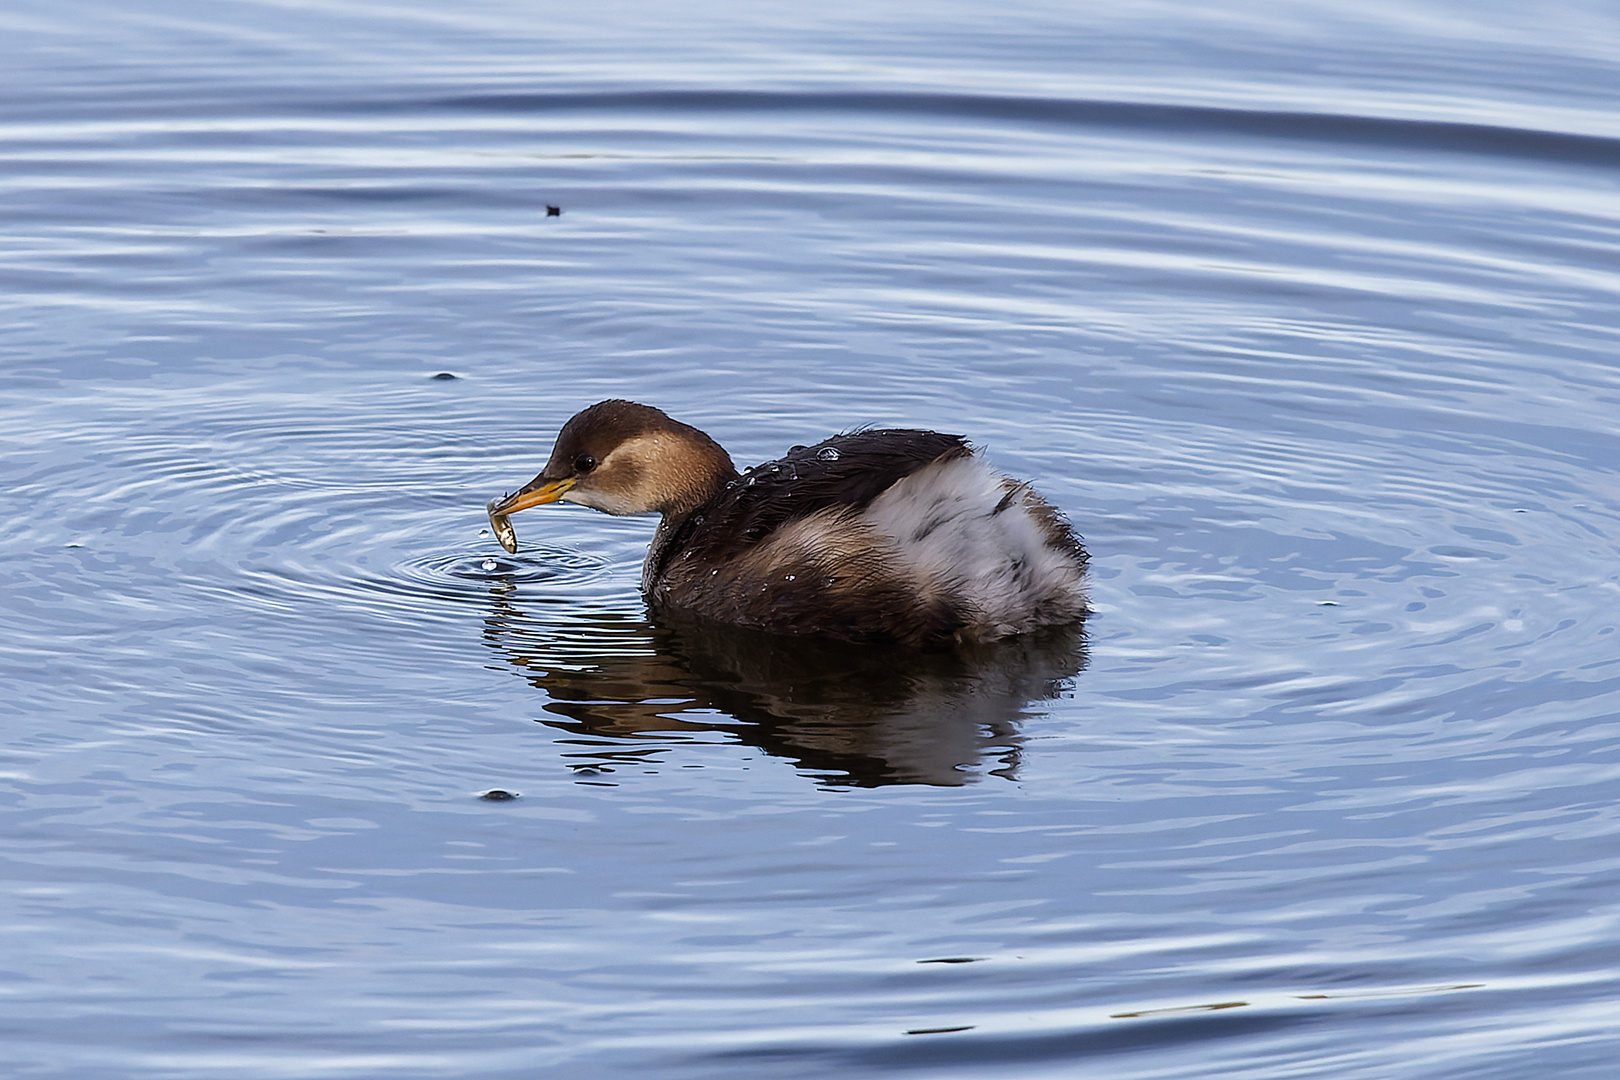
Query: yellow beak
<point x="526" y="497"/>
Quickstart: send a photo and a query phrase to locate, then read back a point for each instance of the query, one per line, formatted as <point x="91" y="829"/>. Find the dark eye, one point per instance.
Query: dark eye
<point x="584" y="463"/>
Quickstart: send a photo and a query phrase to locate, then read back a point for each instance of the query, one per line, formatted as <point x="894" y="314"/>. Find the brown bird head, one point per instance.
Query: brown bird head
<point x="623" y="458"/>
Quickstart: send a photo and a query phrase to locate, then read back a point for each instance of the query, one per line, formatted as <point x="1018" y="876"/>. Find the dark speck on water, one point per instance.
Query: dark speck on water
<point x="1292" y="328"/>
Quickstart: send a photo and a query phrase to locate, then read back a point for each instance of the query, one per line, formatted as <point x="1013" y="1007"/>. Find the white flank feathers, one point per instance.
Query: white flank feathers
<point x="967" y="532"/>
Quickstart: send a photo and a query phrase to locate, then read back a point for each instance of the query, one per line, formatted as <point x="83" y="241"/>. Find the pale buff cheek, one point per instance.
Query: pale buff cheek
<point x="606" y="501"/>
<point x="626" y="482"/>
<point x="641" y="476"/>
<point x="664" y="467"/>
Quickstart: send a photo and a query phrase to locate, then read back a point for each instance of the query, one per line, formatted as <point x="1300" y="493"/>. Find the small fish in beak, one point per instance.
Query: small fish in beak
<point x="502" y="526"/>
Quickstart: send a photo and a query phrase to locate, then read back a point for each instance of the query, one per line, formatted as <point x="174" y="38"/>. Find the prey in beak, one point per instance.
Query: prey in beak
<point x="537" y="492"/>
<point x="622" y="458"/>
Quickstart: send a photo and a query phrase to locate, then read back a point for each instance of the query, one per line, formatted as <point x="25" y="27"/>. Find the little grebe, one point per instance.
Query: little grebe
<point x="884" y="535"/>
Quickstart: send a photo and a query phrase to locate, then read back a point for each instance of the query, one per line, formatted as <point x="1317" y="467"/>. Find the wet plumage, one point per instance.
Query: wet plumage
<point x="874" y="535"/>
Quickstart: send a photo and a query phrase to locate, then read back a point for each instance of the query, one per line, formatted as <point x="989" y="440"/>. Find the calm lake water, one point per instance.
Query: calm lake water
<point x="1303" y="313"/>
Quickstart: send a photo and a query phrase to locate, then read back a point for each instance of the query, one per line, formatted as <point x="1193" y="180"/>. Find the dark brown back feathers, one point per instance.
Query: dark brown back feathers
<point x="846" y="470"/>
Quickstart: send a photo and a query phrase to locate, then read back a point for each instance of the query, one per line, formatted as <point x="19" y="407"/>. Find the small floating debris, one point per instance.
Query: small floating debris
<point x="1214" y="1007"/>
<point x="444" y="375"/>
<point x="955" y="960"/>
<point x="553" y="211"/>
<point x="498" y="795"/>
<point x="1392" y="991"/>
<point x="502" y="526"/>
<point x="940" y="1031"/>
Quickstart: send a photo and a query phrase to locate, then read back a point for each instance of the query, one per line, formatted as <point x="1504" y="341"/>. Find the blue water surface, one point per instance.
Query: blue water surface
<point x="1303" y="314"/>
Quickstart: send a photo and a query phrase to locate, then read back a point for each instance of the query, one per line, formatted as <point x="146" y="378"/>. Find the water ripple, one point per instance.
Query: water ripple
<point x="531" y="566"/>
<point x="1343" y="129"/>
<point x="1313" y="341"/>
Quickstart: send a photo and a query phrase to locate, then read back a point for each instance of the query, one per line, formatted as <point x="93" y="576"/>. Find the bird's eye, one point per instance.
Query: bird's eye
<point x="584" y="463"/>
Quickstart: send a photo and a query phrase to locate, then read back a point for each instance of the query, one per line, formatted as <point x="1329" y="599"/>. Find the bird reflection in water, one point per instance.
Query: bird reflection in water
<point x="855" y="715"/>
